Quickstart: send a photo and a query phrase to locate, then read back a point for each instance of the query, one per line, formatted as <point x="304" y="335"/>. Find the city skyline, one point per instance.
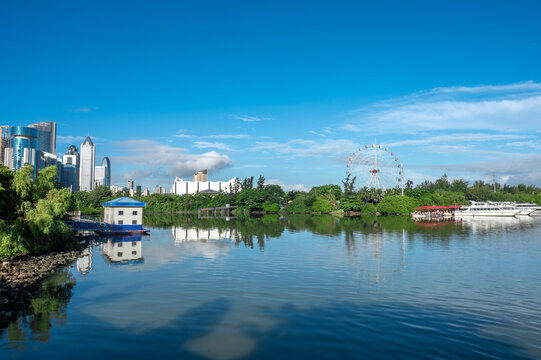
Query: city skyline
<point x="281" y="89"/>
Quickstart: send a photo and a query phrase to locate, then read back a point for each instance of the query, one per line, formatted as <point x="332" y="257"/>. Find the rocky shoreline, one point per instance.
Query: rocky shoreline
<point x="21" y="278"/>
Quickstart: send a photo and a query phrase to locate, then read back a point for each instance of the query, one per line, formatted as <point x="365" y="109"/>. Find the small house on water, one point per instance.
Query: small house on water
<point x="124" y="216"/>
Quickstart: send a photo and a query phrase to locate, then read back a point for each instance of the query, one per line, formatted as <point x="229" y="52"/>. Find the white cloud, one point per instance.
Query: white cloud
<point x="316" y="133"/>
<point x="513" y="107"/>
<point x="526" y="144"/>
<point x="350" y="127"/>
<point x="182" y="134"/>
<point x="158" y="161"/>
<point x="248" y="118"/>
<point x="287" y="187"/>
<point x="84" y="109"/>
<point x="251" y="166"/>
<point x="521" y="86"/>
<point x="214" y="145"/>
<point x="69" y="139"/>
<point x="459" y="138"/>
<point x="75" y="140"/>
<point x="306" y="148"/>
<point x="465" y="149"/>
<point x="517" y="169"/>
<point x="228" y="136"/>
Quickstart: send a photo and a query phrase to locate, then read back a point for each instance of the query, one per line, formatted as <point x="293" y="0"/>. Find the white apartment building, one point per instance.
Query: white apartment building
<point x="181" y="186"/>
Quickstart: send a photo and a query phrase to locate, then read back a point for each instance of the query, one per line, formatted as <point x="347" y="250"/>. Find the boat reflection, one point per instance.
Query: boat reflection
<point x="481" y="225"/>
<point x="122" y="249"/>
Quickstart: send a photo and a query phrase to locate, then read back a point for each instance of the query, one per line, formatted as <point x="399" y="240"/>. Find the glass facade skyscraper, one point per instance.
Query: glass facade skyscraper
<point x="46" y="136"/>
<point x="24" y="145"/>
<point x="70" y="169"/>
<point x="107" y="165"/>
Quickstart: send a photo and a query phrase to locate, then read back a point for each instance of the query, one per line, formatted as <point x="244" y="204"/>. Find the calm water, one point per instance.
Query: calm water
<point x="294" y="287"/>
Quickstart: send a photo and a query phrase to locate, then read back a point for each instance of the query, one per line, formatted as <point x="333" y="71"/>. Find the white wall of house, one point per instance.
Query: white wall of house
<point x="123" y="215"/>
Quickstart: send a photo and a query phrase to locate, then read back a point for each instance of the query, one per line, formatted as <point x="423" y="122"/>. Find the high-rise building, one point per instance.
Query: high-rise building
<point x="99" y="176"/>
<point x="131" y="184"/>
<point x="87" y="166"/>
<point x="45" y="159"/>
<point x="70" y="168"/>
<point x="4" y="140"/>
<point x="201" y="175"/>
<point x="23" y="148"/>
<point x="107" y="165"/>
<point x="46" y="136"/>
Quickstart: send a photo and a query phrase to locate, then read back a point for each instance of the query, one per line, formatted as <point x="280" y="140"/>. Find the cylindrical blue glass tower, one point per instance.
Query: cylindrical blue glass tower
<point x="24" y="141"/>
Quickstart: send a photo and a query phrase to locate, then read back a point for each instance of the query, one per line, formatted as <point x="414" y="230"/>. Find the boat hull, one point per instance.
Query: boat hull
<point x="503" y="213"/>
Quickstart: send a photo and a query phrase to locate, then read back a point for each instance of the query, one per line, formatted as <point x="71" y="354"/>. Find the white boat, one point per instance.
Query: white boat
<point x="486" y="209"/>
<point x="536" y="209"/>
<point x="525" y="208"/>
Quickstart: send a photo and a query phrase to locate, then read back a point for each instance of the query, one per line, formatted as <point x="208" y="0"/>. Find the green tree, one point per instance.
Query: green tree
<point x="349" y="184"/>
<point x="321" y="206"/>
<point x="261" y="182"/>
<point x="396" y="204"/>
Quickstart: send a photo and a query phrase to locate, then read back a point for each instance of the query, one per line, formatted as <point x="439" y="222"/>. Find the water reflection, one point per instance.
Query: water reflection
<point x="84" y="261"/>
<point x="310" y="287"/>
<point x="122" y="249"/>
<point x="485" y="225"/>
<point x="48" y="308"/>
<point x="184" y="234"/>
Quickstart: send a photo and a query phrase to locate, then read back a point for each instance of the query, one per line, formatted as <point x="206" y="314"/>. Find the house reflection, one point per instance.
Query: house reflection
<point x="122" y="249"/>
<point x="182" y="235"/>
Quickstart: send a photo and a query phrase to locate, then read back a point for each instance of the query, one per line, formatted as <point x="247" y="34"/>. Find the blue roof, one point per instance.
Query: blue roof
<point x="124" y="202"/>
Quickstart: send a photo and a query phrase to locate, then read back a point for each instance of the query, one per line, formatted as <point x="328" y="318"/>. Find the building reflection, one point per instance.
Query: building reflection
<point x="183" y="234"/>
<point x="84" y="261"/>
<point x="122" y="249"/>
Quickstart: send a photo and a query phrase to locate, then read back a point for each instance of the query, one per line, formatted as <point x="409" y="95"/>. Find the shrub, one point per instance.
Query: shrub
<point x="321" y="206"/>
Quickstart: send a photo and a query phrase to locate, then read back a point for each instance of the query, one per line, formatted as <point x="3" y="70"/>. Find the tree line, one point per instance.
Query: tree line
<point x="325" y="198"/>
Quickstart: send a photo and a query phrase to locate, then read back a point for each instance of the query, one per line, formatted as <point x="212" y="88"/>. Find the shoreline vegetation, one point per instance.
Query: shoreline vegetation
<point x="33" y="211"/>
<point x="34" y="240"/>
<point x="346" y="200"/>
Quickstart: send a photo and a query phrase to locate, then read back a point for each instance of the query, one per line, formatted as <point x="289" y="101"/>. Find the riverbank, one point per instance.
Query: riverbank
<point x="22" y="276"/>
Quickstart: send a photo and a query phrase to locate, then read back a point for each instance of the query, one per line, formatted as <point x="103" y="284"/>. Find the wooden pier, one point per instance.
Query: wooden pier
<point x="223" y="211"/>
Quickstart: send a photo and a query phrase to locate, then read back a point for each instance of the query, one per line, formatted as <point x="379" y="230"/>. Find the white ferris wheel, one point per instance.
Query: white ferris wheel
<point x="376" y="166"/>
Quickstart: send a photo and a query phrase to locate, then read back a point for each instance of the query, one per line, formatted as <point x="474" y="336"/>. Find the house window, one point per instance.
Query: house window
<point x="120" y="212"/>
<point x="119" y="244"/>
<point x="119" y="254"/>
<point x="134" y="252"/>
<point x="134" y="243"/>
<point x="134" y="213"/>
<point x="134" y="222"/>
<point x="120" y="222"/>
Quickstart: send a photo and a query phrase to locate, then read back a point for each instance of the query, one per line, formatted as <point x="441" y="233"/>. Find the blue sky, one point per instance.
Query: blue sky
<point x="287" y="89"/>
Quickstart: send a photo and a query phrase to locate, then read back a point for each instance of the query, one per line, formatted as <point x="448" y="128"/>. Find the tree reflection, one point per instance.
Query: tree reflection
<point x="47" y="308"/>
